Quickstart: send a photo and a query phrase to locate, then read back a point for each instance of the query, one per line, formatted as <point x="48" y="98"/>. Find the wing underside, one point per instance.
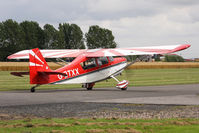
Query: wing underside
<point x="62" y="53"/>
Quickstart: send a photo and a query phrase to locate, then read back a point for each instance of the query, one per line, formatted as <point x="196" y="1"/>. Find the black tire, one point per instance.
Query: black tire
<point x="32" y="89"/>
<point x="90" y="88"/>
<point x="123" y="89"/>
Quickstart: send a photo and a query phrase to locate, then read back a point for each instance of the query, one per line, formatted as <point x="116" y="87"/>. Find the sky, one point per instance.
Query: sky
<point x="134" y="23"/>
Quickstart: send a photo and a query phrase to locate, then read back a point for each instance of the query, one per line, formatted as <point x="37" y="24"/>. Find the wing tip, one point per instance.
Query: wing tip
<point x="24" y="54"/>
<point x="10" y="57"/>
<point x="180" y="48"/>
<point x="186" y="45"/>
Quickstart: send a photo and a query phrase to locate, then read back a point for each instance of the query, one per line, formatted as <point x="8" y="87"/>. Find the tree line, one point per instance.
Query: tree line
<point x="16" y="36"/>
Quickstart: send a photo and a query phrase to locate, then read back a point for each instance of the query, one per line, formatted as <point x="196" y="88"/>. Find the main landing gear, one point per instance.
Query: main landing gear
<point x="123" y="85"/>
<point x="88" y="86"/>
<point x="33" y="88"/>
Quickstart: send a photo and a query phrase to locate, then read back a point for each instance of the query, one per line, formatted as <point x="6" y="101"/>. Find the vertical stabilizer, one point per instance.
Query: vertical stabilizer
<point x="37" y="65"/>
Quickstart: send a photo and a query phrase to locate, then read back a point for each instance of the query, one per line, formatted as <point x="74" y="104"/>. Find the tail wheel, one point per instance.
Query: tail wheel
<point x="32" y="89"/>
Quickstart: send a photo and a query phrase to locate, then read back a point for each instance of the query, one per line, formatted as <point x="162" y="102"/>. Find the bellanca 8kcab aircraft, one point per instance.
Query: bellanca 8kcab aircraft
<point x="88" y="67"/>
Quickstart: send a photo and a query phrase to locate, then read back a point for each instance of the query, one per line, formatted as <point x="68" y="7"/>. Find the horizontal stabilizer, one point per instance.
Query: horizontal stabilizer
<point x="19" y="74"/>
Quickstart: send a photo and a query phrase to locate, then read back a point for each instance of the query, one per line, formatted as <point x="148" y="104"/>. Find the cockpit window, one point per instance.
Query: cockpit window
<point x="102" y="61"/>
<point x="90" y="63"/>
<point x="111" y="58"/>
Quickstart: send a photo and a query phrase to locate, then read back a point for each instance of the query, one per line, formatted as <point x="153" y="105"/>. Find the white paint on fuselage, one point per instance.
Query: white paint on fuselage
<point x="94" y="76"/>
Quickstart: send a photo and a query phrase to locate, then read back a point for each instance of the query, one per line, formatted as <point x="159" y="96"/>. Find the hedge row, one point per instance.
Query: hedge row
<point x="21" y="66"/>
<point x="153" y="65"/>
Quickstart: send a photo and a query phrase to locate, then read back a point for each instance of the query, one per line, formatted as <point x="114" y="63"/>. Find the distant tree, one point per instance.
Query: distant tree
<point x="33" y="35"/>
<point x="157" y="57"/>
<point x="99" y="38"/>
<point x="50" y="37"/>
<point x="173" y="58"/>
<point x="28" y="35"/>
<point x="70" y="36"/>
<point x="11" y="36"/>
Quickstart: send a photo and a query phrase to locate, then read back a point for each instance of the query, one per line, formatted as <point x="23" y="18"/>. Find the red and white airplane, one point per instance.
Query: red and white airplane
<point x="88" y="67"/>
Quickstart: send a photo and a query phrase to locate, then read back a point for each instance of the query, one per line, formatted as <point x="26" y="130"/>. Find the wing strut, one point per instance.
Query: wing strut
<point x="136" y="60"/>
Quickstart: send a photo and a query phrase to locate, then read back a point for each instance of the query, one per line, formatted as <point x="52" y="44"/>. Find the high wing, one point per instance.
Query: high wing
<point x="103" y="52"/>
<point x="49" y="53"/>
<point x="136" y="50"/>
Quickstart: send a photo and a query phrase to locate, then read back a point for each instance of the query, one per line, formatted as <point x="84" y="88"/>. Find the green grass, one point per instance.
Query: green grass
<point x="136" y="77"/>
<point x="55" y="125"/>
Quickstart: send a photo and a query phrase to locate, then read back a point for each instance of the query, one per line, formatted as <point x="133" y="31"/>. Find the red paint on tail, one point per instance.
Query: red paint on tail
<point x="38" y="68"/>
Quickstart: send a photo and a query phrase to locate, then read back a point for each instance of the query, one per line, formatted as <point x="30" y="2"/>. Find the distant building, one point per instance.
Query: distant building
<point x="196" y="59"/>
<point x="189" y="60"/>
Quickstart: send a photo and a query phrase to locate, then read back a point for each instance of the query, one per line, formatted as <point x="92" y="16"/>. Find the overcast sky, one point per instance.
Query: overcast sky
<point x="133" y="22"/>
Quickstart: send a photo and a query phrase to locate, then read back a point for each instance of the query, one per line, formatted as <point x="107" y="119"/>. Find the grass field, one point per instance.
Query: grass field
<point x="137" y="77"/>
<point x="99" y="126"/>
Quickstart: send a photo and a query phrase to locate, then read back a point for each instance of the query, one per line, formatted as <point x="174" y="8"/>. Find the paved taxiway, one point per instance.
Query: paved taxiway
<point x="169" y="94"/>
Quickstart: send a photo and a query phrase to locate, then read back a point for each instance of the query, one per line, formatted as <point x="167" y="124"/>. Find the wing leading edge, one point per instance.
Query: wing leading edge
<point x="24" y="54"/>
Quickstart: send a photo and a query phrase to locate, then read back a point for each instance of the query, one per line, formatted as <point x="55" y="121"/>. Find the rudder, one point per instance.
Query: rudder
<point x="38" y="64"/>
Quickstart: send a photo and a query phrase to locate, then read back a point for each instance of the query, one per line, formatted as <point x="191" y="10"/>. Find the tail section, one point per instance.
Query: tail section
<point x="38" y="68"/>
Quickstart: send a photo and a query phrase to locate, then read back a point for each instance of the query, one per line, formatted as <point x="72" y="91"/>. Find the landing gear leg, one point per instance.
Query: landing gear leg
<point x="33" y="88"/>
<point x="123" y="85"/>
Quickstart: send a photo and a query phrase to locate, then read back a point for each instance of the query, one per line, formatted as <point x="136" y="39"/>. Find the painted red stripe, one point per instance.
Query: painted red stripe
<point x="116" y="52"/>
<point x="122" y="83"/>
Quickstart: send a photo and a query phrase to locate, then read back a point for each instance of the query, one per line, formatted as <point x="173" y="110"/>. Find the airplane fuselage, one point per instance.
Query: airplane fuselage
<point x="93" y="72"/>
<point x="86" y="70"/>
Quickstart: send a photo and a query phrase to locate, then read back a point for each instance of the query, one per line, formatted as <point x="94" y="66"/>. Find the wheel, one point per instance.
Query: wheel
<point x="89" y="88"/>
<point x="123" y="89"/>
<point x="32" y="89"/>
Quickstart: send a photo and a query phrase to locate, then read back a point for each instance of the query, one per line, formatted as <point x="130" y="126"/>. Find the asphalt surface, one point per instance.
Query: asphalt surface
<point x="169" y="94"/>
<point x="172" y="101"/>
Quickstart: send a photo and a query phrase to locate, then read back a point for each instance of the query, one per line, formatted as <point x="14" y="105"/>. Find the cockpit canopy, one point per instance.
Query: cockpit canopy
<point x="94" y="62"/>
